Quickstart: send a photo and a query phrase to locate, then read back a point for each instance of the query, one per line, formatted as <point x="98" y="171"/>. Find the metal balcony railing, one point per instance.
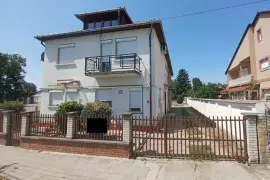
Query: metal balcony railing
<point x="111" y="63"/>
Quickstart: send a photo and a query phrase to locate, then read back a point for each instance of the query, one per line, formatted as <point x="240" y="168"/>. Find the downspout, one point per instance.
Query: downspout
<point x="150" y="69"/>
<point x="42" y="43"/>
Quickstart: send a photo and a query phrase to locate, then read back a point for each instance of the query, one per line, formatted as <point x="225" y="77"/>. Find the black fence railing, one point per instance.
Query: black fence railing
<point x="112" y="63"/>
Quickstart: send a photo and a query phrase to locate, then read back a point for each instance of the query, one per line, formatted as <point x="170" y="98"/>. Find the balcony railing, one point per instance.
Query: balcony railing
<point x="112" y="63"/>
<point x="240" y="81"/>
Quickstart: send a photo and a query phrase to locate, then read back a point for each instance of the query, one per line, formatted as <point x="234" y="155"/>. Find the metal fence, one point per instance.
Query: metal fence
<point x="1" y="122"/>
<point x="192" y="137"/>
<point x="48" y="125"/>
<point x="112" y="132"/>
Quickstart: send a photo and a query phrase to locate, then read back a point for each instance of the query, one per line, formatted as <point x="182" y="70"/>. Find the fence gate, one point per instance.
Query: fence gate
<point x="14" y="130"/>
<point x="191" y="137"/>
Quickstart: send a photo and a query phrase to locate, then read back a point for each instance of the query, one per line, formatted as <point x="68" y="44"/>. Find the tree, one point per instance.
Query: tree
<point x="182" y="82"/>
<point x="196" y="83"/>
<point x="12" y="75"/>
<point x="28" y="88"/>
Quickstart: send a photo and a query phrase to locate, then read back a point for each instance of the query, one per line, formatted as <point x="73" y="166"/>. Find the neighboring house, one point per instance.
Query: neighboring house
<point x="248" y="74"/>
<point x="111" y="60"/>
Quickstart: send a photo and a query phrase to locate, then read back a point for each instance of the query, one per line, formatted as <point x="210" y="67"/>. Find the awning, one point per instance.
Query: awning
<point x="235" y="89"/>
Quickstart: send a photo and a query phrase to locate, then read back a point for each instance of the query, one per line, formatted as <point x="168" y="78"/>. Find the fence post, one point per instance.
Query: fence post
<point x="71" y="116"/>
<point x="257" y="142"/>
<point x="25" y="127"/>
<point x="128" y="131"/>
<point x="7" y="125"/>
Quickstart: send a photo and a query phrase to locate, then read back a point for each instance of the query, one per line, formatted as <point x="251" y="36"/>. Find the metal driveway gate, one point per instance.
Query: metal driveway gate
<point x="14" y="130"/>
<point x="191" y="137"/>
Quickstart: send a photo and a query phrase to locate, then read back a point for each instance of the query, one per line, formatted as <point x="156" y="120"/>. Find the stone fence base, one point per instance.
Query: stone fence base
<point x="78" y="146"/>
<point x="2" y="139"/>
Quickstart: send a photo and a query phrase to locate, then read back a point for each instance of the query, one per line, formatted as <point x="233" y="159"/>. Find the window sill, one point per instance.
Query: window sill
<point x="52" y="106"/>
<point x="69" y="64"/>
<point x="262" y="70"/>
<point x="136" y="112"/>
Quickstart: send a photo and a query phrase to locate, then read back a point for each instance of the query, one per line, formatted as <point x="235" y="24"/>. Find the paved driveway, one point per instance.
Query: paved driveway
<point x="16" y="163"/>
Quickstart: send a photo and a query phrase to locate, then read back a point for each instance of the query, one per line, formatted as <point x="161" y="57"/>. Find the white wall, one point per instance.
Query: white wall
<point x="224" y="109"/>
<point x="160" y="76"/>
<point x="87" y="46"/>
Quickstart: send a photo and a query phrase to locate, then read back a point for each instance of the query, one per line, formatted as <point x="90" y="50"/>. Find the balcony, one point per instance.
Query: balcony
<point x="113" y="65"/>
<point x="240" y="81"/>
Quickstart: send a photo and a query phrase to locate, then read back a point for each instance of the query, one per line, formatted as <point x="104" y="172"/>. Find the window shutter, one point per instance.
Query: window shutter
<point x="66" y="54"/>
<point x="135" y="100"/>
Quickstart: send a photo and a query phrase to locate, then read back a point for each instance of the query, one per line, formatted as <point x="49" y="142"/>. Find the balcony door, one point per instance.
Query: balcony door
<point x="106" y="52"/>
<point x="125" y="48"/>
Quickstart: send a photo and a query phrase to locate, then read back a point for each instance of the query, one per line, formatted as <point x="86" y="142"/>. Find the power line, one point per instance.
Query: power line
<point x="213" y="10"/>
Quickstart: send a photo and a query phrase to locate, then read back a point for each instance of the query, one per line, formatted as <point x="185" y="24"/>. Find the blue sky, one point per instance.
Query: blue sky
<point x="202" y="44"/>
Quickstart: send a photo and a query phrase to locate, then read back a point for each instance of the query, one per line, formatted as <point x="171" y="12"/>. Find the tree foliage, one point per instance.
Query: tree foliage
<point x="182" y="87"/>
<point x="12" y="73"/>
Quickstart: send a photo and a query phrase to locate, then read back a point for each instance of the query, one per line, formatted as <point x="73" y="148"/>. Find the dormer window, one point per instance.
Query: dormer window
<point x="107" y="18"/>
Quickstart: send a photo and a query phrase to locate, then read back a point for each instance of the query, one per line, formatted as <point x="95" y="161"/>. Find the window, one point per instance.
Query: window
<point x="264" y="64"/>
<point x="107" y="23"/>
<point x="259" y="35"/>
<point x="114" y="22"/>
<point x="98" y="24"/>
<point x="56" y="98"/>
<point x="135" y="100"/>
<point x="66" y="54"/>
<point x="71" y="96"/>
<point x="91" y="25"/>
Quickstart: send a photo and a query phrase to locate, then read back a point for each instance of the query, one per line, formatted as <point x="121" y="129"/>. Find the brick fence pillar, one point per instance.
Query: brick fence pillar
<point x="128" y="131"/>
<point x="256" y="137"/>
<point x="25" y="127"/>
<point x="71" y="117"/>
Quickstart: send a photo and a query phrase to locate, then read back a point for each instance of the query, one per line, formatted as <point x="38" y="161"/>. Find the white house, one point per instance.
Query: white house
<point x="112" y="59"/>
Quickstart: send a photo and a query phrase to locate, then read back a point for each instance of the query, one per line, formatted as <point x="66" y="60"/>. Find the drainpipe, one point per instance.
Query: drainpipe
<point x="150" y="74"/>
<point x="42" y="43"/>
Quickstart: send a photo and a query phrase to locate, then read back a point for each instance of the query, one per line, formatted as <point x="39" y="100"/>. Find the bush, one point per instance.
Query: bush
<point x="97" y="109"/>
<point x="180" y="99"/>
<point x="69" y="106"/>
<point x="12" y="105"/>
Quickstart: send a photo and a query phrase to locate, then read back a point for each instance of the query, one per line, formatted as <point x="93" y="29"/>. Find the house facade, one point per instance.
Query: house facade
<point x="248" y="73"/>
<point x="111" y="59"/>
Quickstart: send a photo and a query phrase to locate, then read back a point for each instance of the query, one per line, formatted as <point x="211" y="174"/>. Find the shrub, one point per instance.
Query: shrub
<point x="12" y="105"/>
<point x="180" y="99"/>
<point x="69" y="106"/>
<point x="96" y="109"/>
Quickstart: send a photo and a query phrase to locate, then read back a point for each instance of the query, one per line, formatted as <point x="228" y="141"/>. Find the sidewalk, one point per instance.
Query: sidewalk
<point x="18" y="164"/>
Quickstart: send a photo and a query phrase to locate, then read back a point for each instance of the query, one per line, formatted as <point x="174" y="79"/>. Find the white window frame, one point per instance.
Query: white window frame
<point x="51" y="100"/>
<point x="64" y="96"/>
<point x="267" y="61"/>
<point x="72" y="45"/>
<point x="141" y="106"/>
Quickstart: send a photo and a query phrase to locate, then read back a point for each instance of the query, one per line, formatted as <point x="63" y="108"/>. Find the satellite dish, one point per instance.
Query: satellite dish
<point x="42" y="56"/>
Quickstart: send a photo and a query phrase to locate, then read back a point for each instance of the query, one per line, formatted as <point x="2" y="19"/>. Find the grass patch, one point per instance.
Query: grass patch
<point x="3" y="178"/>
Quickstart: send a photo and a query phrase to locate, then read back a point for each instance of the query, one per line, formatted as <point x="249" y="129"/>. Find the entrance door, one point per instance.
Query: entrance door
<point x="106" y="52"/>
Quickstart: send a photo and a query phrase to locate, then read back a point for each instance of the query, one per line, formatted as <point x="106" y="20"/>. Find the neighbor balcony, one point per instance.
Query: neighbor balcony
<point x="113" y="65"/>
<point x="240" y="81"/>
